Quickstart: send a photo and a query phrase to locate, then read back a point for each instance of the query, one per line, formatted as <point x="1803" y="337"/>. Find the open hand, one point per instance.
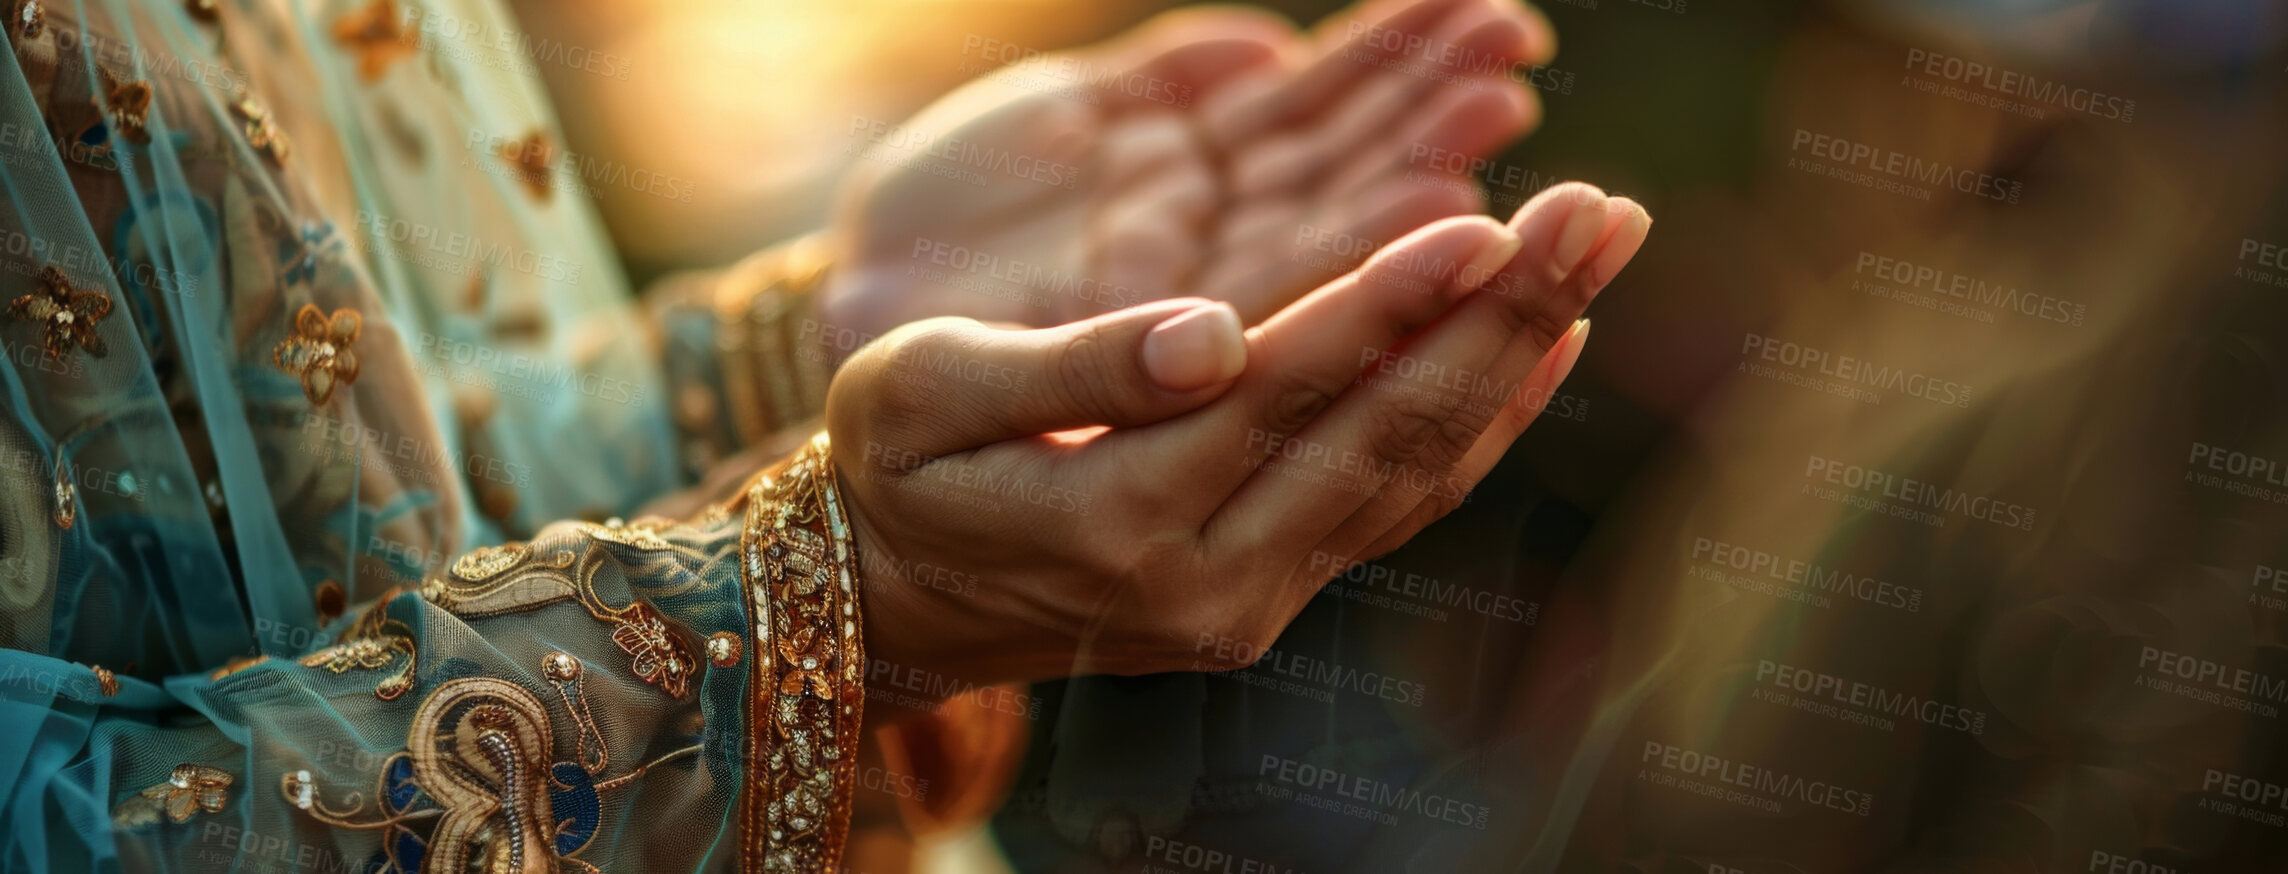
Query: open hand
<point x="1212" y="153"/>
<point x="1155" y="489"/>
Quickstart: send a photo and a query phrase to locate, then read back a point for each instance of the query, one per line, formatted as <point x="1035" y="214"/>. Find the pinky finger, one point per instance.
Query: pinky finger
<point x="1509" y="424"/>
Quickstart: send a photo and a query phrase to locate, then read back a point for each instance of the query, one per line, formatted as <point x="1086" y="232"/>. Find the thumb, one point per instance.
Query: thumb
<point x="948" y="385"/>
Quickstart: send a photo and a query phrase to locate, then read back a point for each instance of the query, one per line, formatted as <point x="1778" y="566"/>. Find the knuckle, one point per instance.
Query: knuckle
<point x="1295" y="405"/>
<point x="1453" y="441"/>
<point x="1089" y="377"/>
<point x="1402" y="426"/>
<point x="1546" y="323"/>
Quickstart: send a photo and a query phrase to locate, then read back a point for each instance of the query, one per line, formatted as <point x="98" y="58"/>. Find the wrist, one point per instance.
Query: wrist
<point x="933" y="630"/>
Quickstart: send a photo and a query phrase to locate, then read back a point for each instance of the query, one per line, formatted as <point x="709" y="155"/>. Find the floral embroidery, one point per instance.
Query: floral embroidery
<point x="378" y="36"/>
<point x="319" y="351"/>
<point x="809" y="666"/>
<point x="300" y="254"/>
<point x="661" y="656"/>
<point x="190" y="789"/>
<point x="529" y="160"/>
<point x="368" y="653"/>
<point x="642" y="534"/>
<point x="261" y="132"/>
<point x="70" y="315"/>
<point x="801" y="733"/>
<point x="485" y="562"/>
<point x="128" y="106"/>
<point x="372" y="641"/>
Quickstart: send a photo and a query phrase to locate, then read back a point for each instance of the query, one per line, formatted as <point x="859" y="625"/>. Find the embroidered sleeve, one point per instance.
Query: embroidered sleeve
<point x="746" y="355"/>
<point x="644" y="696"/>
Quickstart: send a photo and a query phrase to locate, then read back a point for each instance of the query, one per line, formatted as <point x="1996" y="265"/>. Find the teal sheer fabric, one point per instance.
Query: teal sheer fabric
<point x="303" y="307"/>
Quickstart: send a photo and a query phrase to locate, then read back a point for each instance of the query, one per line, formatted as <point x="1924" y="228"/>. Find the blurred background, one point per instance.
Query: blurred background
<point x="1918" y="505"/>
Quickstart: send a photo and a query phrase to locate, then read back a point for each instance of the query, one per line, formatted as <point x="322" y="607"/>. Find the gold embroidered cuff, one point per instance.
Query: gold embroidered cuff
<point x="805" y="702"/>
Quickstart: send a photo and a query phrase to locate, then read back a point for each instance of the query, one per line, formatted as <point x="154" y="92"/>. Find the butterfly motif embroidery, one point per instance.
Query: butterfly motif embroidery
<point x="127" y="105"/>
<point x="70" y="315"/>
<point x="192" y="788"/>
<point x="319" y="351"/>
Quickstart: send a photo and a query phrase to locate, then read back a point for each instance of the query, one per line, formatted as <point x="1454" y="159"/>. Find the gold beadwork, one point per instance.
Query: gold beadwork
<point x="660" y="656"/>
<point x="484" y="563"/>
<point x="372" y="641"/>
<point x="319" y="351"/>
<point x="560" y="666"/>
<point x="798" y="566"/>
<point x="190" y="789"/>
<point x="723" y="649"/>
<point x="68" y="316"/>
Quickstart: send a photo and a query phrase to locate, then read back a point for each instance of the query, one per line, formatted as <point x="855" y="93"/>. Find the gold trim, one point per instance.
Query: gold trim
<point x="798" y="566"/>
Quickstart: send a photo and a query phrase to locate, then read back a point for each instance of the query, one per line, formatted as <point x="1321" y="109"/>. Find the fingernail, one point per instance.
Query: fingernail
<point x="1199" y="348"/>
<point x="1582" y="229"/>
<point x="1570" y="351"/>
<point x="1494" y="256"/>
<point x="1617" y="253"/>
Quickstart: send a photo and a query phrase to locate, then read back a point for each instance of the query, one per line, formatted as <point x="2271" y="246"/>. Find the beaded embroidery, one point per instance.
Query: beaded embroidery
<point x="798" y="567"/>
